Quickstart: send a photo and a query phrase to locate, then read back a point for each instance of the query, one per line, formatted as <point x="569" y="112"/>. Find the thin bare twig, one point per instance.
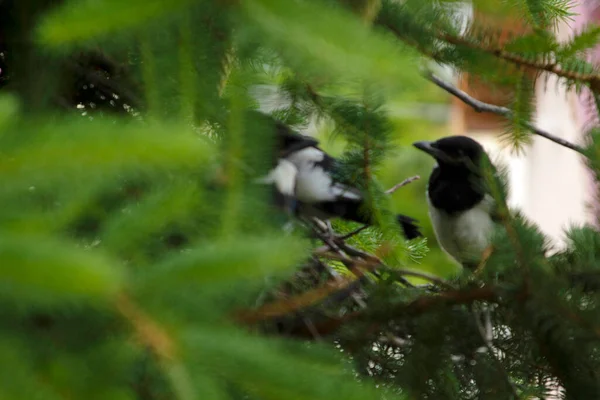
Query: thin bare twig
<point x="401" y="184"/>
<point x="389" y="191"/>
<point x="400" y="271"/>
<point x="322" y="230"/>
<point x="423" y="275"/>
<point x="481" y="106"/>
<point x="354" y="232"/>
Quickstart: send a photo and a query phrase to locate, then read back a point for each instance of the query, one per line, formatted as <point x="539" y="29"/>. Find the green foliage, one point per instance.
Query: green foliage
<point x="543" y="13"/>
<point x="45" y="275"/>
<point x="83" y="20"/>
<point x="218" y="262"/>
<point x="523" y="107"/>
<point x="270" y="369"/>
<point x="140" y="259"/>
<point x="581" y="42"/>
<point x="334" y="35"/>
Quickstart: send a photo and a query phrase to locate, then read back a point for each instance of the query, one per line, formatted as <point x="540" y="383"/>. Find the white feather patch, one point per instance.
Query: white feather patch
<point x="313" y="183"/>
<point x="283" y="176"/>
<point x="466" y="235"/>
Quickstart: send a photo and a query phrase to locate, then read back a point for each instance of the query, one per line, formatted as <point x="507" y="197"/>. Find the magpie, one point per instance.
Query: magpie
<point x="462" y="211"/>
<point x="315" y="189"/>
<point x="283" y="176"/>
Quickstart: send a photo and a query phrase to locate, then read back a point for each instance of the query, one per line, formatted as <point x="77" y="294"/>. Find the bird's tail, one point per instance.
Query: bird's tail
<point x="409" y="226"/>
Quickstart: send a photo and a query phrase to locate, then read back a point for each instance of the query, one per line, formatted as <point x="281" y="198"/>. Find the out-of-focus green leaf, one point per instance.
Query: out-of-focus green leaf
<point x="309" y="31"/>
<point x="273" y="371"/>
<point x="85" y="19"/>
<point x="86" y="147"/>
<point x="8" y="109"/>
<point x="20" y="380"/>
<point x="208" y="388"/>
<point x="232" y="258"/>
<point x="139" y="221"/>
<point x="42" y="270"/>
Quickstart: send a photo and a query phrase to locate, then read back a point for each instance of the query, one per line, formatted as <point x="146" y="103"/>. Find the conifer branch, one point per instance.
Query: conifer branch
<point x="592" y="79"/>
<point x="289" y="306"/>
<point x="148" y="331"/>
<point x="423" y="304"/>
<point x="359" y="262"/>
<point x="481" y="106"/>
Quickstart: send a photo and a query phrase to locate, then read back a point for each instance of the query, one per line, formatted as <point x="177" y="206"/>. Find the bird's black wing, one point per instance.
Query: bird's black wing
<point x="290" y="141"/>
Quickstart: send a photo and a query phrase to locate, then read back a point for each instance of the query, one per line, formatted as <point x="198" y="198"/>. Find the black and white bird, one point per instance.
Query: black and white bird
<point x="462" y="212"/>
<point x="306" y="174"/>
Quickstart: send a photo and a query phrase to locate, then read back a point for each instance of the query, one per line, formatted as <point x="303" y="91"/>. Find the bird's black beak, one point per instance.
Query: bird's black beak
<point x="428" y="148"/>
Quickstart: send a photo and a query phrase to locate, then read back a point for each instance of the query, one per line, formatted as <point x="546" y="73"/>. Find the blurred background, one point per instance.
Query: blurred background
<point x="550" y="184"/>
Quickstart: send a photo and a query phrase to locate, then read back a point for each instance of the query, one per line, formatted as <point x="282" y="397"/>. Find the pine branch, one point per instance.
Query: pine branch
<point x="481" y="106"/>
<point x="148" y="331"/>
<point x="592" y="79"/>
<point x="284" y="307"/>
<point x="330" y="325"/>
<point x="357" y="261"/>
<point x="151" y="334"/>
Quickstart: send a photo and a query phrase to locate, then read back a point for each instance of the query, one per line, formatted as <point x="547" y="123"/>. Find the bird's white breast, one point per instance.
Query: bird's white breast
<point x="464" y="235"/>
<point x="313" y="183"/>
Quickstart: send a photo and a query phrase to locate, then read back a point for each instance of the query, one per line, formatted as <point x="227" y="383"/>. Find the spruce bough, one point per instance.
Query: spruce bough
<point x="140" y="260"/>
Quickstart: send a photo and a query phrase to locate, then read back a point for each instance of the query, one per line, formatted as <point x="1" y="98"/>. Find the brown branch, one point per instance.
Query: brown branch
<point x="330" y="325"/>
<point x="481" y="106"/>
<point x="148" y="331"/>
<point x="285" y="307"/>
<point x="364" y="263"/>
<point x="593" y="79"/>
<point x="288" y="306"/>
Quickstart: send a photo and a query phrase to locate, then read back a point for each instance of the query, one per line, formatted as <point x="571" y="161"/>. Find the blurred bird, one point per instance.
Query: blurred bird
<point x="462" y="211"/>
<point x="307" y="173"/>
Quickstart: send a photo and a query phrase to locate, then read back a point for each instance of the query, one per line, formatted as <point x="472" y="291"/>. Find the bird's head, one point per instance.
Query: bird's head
<point x="453" y="151"/>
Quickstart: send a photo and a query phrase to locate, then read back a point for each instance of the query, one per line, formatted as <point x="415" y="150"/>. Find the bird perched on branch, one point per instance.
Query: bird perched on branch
<point x="304" y="177"/>
<point x="462" y="211"/>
